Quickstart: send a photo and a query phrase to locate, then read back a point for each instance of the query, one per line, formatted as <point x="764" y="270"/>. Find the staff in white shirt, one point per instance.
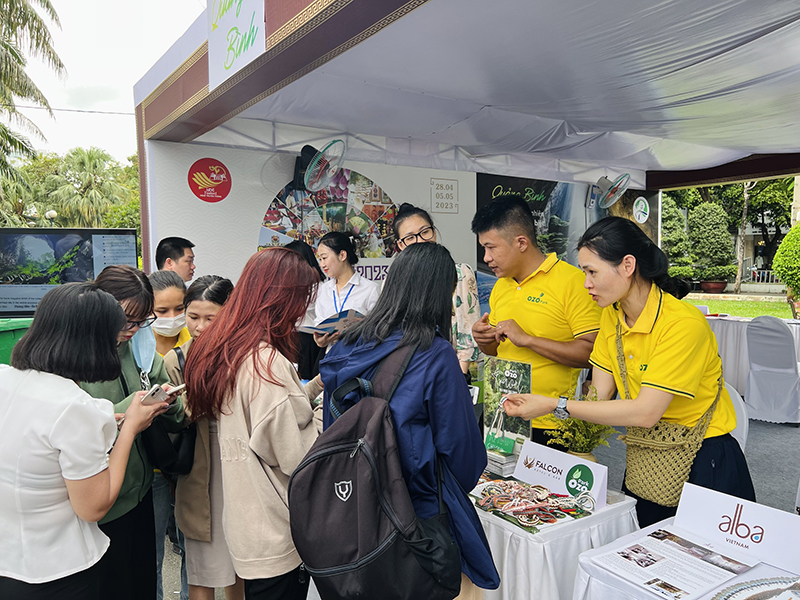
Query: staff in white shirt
<point x="57" y="477"/>
<point x="345" y="289"/>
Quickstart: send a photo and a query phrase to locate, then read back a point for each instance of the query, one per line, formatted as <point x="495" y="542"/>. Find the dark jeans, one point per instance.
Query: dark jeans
<point x="289" y="586"/>
<point x="84" y="585"/>
<point x="128" y="569"/>
<point x="719" y="465"/>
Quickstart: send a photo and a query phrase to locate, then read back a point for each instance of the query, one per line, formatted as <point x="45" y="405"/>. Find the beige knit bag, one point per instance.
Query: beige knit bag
<point x="659" y="458"/>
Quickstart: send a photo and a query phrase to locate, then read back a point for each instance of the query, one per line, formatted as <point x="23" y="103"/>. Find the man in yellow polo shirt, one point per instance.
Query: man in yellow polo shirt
<point x="540" y="312"/>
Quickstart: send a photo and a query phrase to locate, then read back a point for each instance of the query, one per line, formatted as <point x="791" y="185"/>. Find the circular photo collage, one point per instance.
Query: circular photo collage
<point x="351" y="203"/>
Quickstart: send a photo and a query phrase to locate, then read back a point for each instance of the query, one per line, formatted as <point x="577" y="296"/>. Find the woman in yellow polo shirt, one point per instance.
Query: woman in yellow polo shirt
<point x="667" y="366"/>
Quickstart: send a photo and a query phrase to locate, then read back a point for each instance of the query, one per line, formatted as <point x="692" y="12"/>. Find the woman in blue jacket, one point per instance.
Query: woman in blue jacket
<point x="431" y="407"/>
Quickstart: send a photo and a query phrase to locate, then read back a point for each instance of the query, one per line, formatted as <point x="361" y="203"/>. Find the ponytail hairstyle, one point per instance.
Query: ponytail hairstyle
<point x="341" y="242"/>
<point x="614" y="238"/>
<point x="405" y="211"/>
<point x="210" y="288"/>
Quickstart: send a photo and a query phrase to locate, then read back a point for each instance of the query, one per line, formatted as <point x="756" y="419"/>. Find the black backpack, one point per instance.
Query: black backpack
<point x="351" y="515"/>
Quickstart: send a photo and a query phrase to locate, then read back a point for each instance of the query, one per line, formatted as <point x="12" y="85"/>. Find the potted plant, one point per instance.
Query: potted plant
<point x="786" y="265"/>
<point x="712" y="246"/>
<point x="714" y="280"/>
<point x="581" y="437"/>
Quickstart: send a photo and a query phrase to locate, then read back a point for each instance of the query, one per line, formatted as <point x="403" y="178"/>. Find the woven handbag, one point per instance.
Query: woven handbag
<point x="659" y="458"/>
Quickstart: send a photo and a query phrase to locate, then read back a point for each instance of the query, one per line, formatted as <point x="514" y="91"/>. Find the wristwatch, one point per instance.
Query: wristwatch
<point x="561" y="411"/>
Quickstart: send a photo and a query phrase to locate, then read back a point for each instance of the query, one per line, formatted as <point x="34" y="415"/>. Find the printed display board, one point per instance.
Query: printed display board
<point x="35" y="260"/>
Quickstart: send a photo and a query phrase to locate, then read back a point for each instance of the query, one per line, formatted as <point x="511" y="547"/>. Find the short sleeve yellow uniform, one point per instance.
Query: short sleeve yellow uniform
<point x="669" y="348"/>
<point x="550" y="303"/>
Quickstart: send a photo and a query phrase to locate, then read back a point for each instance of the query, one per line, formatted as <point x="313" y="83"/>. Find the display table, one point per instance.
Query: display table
<point x="544" y="565"/>
<point x="731" y="334"/>
<point x="593" y="582"/>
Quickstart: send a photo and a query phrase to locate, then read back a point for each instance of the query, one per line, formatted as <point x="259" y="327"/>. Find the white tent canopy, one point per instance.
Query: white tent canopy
<point x="556" y="89"/>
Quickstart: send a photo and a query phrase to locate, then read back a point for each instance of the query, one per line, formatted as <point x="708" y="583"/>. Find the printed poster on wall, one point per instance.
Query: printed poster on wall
<point x="562" y="212"/>
<point x="351" y="203"/>
<point x="236" y="36"/>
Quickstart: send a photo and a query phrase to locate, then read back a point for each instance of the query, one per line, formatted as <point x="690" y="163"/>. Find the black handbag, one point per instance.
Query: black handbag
<point x="170" y="452"/>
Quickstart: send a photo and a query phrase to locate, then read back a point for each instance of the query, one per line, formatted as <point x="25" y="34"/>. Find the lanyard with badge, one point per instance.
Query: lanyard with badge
<point x="335" y="304"/>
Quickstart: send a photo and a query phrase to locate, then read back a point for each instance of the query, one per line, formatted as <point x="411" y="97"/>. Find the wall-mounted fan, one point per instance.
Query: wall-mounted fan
<point x="611" y="191"/>
<point x="315" y="169"/>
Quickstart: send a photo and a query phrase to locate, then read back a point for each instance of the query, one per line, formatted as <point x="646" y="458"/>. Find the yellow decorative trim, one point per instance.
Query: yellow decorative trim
<point x="296" y="22"/>
<point x="173" y="77"/>
<point x="189" y="104"/>
<point x="354" y="41"/>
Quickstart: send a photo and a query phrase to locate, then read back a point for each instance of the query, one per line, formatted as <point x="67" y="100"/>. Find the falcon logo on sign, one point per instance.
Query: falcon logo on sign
<point x="209" y="180"/>
<point x="343" y="490"/>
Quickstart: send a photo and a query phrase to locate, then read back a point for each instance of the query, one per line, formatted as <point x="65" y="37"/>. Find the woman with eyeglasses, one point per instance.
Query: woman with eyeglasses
<point x="345" y="289"/>
<point x="128" y="568"/>
<point x="413" y="224"/>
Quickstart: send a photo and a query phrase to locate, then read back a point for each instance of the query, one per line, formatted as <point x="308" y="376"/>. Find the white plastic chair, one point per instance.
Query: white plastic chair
<point x="742" y="422"/>
<point x="702" y="308"/>
<point x="773" y="384"/>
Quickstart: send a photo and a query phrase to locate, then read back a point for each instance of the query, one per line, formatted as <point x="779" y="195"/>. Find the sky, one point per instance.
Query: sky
<point x="106" y="46"/>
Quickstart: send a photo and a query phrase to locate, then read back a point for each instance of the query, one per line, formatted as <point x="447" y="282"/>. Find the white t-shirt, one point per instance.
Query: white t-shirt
<point x="50" y="430"/>
<point x="359" y="293"/>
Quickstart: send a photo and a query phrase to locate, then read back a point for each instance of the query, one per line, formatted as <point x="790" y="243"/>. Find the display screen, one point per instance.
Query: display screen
<point x="34" y="261"/>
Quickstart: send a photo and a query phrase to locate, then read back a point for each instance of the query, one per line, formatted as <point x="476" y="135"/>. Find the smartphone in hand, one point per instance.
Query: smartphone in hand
<point x="159" y="394"/>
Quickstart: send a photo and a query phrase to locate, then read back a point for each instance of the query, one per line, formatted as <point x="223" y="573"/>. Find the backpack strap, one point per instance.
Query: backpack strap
<point x="391" y="370"/>
<point x="383" y="384"/>
<point x="181" y="357"/>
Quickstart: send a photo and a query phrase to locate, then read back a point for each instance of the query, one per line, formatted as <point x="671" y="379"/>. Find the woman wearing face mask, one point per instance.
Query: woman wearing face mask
<point x="127" y="571"/>
<point x="345" y="289"/>
<point x="170" y="331"/>
<point x="198" y="495"/>
<point x="169" y="292"/>
<point x="412" y="225"/>
<point x="662" y="356"/>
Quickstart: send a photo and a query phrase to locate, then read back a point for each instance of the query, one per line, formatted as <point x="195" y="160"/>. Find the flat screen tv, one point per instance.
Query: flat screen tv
<point x="33" y="261"/>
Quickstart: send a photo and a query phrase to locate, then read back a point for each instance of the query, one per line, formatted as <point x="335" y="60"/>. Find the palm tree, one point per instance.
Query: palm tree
<point x="22" y="31"/>
<point x="86" y="187"/>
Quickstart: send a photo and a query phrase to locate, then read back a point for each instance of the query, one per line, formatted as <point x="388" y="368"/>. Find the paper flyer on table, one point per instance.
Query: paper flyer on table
<point x="668" y="563"/>
<point x="337" y="322"/>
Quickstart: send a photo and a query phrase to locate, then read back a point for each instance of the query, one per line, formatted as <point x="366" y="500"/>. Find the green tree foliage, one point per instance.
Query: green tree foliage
<point x="769" y="211"/>
<point x="86" y="186"/>
<point x="23" y="33"/>
<point x="674" y="240"/>
<point x="711" y="243"/>
<point x="787" y="259"/>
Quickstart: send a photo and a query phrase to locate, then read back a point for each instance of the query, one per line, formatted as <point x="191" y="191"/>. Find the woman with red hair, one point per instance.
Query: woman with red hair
<point x="241" y="374"/>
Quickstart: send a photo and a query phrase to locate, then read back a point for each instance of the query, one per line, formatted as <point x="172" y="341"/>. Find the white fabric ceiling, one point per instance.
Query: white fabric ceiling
<point x="630" y="85"/>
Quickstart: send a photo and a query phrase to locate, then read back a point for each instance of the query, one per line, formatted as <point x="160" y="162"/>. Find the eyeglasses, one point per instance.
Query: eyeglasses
<point x="425" y="235"/>
<point x="140" y="324"/>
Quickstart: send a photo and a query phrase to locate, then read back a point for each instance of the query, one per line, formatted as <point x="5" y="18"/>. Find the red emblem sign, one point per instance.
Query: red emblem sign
<point x="210" y="180"/>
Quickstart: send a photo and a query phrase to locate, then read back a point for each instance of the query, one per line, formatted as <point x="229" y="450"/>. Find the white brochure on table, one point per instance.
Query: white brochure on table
<point x="753" y="530"/>
<point x="561" y="473"/>
<point x="669" y="563"/>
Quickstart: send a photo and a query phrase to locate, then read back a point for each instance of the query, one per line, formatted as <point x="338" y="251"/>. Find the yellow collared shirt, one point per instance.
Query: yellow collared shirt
<point x="550" y="303"/>
<point x="670" y="348"/>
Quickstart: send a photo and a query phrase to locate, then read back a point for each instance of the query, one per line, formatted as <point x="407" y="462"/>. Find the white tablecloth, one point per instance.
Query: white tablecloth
<point x="731" y="333"/>
<point x="593" y="582"/>
<point x="544" y="565"/>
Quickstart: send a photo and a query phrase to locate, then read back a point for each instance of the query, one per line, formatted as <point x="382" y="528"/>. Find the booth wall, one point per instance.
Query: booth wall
<point x="226" y="233"/>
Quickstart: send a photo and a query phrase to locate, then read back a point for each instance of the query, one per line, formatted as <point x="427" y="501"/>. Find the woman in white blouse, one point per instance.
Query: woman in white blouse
<point x="57" y="476"/>
<point x="345" y="289"/>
